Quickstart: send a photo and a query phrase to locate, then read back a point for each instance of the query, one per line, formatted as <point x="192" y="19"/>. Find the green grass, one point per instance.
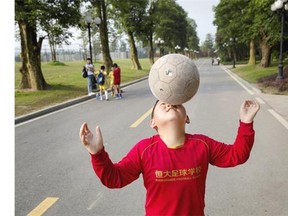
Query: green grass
<point x="252" y="73"/>
<point x="265" y="78"/>
<point x="65" y="79"/>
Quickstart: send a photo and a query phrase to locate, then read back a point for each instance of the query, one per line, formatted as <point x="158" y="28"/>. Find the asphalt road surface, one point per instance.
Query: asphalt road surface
<point x="54" y="177"/>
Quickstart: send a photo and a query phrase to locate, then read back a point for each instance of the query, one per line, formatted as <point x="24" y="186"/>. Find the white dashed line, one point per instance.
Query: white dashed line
<point x="93" y="204"/>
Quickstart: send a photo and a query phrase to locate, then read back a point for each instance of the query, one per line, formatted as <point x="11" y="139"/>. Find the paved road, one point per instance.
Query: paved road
<point x="53" y="169"/>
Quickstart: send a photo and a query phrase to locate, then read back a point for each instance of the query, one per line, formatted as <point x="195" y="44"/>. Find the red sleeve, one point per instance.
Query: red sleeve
<point x="229" y="155"/>
<point x="119" y="174"/>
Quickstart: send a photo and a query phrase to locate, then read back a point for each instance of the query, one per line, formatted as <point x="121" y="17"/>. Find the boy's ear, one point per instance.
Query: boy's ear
<point x="187" y="120"/>
<point x="153" y="124"/>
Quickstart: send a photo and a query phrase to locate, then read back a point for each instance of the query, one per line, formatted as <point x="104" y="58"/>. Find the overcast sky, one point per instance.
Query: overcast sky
<point x="201" y="11"/>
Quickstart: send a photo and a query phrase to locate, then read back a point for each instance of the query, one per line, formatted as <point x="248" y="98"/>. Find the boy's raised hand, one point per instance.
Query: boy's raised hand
<point x="248" y="111"/>
<point x="93" y="143"/>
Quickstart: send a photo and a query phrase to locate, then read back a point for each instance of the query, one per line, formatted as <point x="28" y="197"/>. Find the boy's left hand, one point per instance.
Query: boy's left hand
<point x="248" y="111"/>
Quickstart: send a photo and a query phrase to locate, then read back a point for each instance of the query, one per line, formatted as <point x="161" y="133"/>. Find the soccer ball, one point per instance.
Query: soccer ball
<point x="174" y="79"/>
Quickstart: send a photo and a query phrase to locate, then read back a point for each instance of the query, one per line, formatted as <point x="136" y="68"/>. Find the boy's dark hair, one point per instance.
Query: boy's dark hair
<point x="115" y="65"/>
<point x="152" y="113"/>
<point x="88" y="59"/>
<point x="102" y="67"/>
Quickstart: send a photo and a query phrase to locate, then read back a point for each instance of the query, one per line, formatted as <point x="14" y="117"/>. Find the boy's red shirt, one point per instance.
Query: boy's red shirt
<point x="174" y="178"/>
<point x="117" y="75"/>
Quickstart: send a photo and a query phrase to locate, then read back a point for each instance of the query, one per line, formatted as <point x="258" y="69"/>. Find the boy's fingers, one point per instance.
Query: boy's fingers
<point x="82" y="129"/>
<point x="254" y="104"/>
<point x="98" y="132"/>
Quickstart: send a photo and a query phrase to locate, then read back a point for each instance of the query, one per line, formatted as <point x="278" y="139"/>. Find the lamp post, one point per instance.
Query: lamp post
<point x="177" y="48"/>
<point x="191" y="51"/>
<point x="159" y="42"/>
<point x="280" y="5"/>
<point x="89" y="20"/>
<point x="196" y="54"/>
<point x="186" y="51"/>
<point x="233" y="42"/>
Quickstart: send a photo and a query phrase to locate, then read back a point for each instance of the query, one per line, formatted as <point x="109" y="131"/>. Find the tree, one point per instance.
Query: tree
<point x="84" y="42"/>
<point x="145" y="31"/>
<point x="192" y="38"/>
<point x="208" y="44"/>
<point x="57" y="35"/>
<point x="230" y="24"/>
<point x="147" y="20"/>
<point x="252" y="22"/>
<point x="130" y="15"/>
<point x="31" y="16"/>
<point x="266" y="28"/>
<point x="171" y="24"/>
<point x="102" y="13"/>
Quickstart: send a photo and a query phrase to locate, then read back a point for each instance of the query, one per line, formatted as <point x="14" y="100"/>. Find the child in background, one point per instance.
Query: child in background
<point x="101" y="80"/>
<point x="117" y="80"/>
<point x="111" y="78"/>
<point x="173" y="163"/>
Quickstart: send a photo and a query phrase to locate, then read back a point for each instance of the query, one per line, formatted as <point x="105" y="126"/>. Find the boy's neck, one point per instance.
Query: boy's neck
<point x="173" y="138"/>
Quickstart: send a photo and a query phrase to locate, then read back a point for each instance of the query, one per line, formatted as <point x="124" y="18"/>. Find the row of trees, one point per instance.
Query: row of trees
<point x="246" y="26"/>
<point x="142" y="21"/>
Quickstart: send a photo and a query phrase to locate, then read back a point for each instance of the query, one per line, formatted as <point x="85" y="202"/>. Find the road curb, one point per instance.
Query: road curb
<point x="65" y="104"/>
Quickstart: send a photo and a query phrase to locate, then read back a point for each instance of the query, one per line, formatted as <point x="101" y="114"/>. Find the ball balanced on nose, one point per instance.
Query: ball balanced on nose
<point x="174" y="79"/>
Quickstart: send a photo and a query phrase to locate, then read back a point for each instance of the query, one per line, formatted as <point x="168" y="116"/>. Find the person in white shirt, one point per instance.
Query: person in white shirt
<point x="91" y="76"/>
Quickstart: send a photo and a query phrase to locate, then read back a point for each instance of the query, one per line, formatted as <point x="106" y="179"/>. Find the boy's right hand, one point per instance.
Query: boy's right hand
<point x="93" y="143"/>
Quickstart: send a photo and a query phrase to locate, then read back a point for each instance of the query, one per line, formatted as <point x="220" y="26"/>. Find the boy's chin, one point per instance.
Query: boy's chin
<point x="173" y="118"/>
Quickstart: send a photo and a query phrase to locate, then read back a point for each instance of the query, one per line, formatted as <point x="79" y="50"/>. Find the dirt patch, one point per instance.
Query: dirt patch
<point x="270" y="85"/>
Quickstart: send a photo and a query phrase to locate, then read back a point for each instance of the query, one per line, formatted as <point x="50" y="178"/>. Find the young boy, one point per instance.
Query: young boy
<point x="101" y="83"/>
<point x="117" y="80"/>
<point x="173" y="163"/>
<point x="111" y="78"/>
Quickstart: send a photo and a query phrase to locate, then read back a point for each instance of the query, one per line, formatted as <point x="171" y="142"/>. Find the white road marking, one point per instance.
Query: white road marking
<point x="274" y="113"/>
<point x="260" y="100"/>
<point x="52" y="113"/>
<point x="279" y="118"/>
<point x="93" y="204"/>
<point x="237" y="80"/>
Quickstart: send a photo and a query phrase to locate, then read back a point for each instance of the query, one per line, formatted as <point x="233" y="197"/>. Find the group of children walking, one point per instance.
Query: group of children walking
<point x="101" y="79"/>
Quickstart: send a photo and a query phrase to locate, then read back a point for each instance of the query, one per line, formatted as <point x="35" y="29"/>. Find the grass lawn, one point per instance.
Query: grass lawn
<point x="264" y="78"/>
<point x="253" y="73"/>
<point x="66" y="83"/>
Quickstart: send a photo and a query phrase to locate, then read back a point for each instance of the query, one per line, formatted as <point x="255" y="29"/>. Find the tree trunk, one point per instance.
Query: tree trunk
<point x="252" y="58"/>
<point x="25" y="81"/>
<point x="101" y="11"/>
<point x="52" y="49"/>
<point x="32" y="76"/>
<point x="266" y="53"/>
<point x="151" y="51"/>
<point x="133" y="50"/>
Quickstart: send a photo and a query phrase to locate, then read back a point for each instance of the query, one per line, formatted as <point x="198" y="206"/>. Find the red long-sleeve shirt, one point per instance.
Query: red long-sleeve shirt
<point x="174" y="178"/>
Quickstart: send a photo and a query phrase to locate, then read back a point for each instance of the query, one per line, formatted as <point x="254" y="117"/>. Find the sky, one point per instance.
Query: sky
<point x="201" y="11"/>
